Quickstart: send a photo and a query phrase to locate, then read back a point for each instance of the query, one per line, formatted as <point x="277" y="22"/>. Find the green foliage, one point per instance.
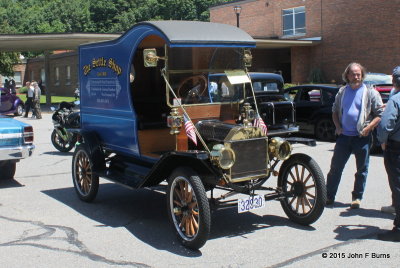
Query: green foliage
<point x="59" y="16"/>
<point x="22" y="90"/>
<point x="7" y="61"/>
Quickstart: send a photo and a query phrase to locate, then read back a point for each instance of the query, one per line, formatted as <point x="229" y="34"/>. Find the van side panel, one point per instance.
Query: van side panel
<point x="106" y="101"/>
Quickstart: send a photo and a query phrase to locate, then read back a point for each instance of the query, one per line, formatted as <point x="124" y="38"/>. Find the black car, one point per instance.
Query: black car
<point x="314" y="109"/>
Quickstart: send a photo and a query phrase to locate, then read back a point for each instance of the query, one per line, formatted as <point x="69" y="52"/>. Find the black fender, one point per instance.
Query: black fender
<point x="92" y="142"/>
<point x="197" y="160"/>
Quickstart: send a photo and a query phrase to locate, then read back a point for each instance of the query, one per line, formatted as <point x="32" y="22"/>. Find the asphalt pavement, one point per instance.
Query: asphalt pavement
<point x="44" y="224"/>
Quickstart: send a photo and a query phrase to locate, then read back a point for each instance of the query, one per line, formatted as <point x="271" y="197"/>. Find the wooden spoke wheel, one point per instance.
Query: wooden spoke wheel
<point x="86" y="183"/>
<point x="188" y="208"/>
<point x="301" y="178"/>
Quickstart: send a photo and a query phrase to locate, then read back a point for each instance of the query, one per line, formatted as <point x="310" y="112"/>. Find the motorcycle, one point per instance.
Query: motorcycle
<point x="64" y="117"/>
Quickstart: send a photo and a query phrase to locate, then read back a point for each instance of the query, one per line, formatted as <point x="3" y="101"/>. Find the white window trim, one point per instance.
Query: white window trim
<point x="294" y="23"/>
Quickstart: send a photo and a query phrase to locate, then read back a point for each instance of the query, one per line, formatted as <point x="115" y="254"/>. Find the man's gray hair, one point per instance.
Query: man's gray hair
<point x="396" y="76"/>
<point x="347" y="70"/>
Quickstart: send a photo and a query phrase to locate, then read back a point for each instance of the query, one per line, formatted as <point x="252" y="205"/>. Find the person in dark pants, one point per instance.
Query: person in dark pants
<point x="355" y="113"/>
<point x="29" y="98"/>
<point x="388" y="133"/>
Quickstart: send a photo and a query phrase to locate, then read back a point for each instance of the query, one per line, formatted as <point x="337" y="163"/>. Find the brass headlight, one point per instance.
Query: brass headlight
<point x="280" y="148"/>
<point x="224" y="157"/>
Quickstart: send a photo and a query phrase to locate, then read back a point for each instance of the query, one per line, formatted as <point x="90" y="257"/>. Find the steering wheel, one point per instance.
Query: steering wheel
<point x="192" y="92"/>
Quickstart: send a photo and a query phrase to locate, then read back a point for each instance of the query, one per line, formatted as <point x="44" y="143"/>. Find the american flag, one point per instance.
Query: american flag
<point x="258" y="122"/>
<point x="189" y="127"/>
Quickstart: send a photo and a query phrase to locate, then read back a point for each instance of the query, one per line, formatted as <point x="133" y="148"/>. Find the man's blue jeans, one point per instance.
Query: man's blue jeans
<point x="345" y="146"/>
<point x="392" y="165"/>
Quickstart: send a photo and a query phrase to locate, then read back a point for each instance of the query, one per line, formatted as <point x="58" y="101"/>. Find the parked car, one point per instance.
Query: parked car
<point x="167" y="124"/>
<point x="314" y="109"/>
<point x="16" y="143"/>
<point x="10" y="103"/>
<point x="277" y="112"/>
<point x="381" y="82"/>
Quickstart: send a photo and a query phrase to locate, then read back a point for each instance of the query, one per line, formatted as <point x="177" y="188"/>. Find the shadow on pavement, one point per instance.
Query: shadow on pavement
<point x="55" y="152"/>
<point x="10" y="183"/>
<point x="348" y="232"/>
<point x="367" y="213"/>
<point x="143" y="212"/>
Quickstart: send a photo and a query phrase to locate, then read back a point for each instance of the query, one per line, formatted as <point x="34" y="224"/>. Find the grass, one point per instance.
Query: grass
<point x="54" y="99"/>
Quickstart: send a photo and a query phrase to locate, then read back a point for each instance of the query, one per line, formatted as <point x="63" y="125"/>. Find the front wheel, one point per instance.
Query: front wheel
<point x="188" y="208"/>
<point x="7" y="168"/>
<point x="86" y="182"/>
<point x="301" y="178"/>
<point x="60" y="144"/>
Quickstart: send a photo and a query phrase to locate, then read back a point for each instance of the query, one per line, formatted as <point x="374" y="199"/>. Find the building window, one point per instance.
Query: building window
<point x="294" y="21"/>
<point x="43" y="76"/>
<point x="56" y="76"/>
<point x="68" y="75"/>
<point x="32" y="75"/>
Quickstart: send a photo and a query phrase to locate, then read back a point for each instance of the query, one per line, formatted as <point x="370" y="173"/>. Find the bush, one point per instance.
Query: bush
<point x="23" y="90"/>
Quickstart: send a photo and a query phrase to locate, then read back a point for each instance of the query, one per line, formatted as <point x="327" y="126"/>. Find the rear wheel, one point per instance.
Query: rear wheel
<point x="7" y="168"/>
<point x="325" y="130"/>
<point x="20" y="110"/>
<point x="86" y="182"/>
<point x="60" y="144"/>
<point x="301" y="177"/>
<point x="188" y="208"/>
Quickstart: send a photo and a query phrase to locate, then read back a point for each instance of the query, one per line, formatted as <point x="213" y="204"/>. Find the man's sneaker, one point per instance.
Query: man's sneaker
<point x="388" y="209"/>
<point x="355" y="203"/>
<point x="329" y="202"/>
<point x="392" y="235"/>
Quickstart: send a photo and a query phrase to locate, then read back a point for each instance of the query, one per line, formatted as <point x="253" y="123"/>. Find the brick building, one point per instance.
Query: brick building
<point x="19" y="73"/>
<point x="63" y="78"/>
<point x="339" y="32"/>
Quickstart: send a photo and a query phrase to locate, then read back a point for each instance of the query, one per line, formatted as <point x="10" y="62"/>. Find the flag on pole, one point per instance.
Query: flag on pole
<point x="189" y="127"/>
<point x="258" y="122"/>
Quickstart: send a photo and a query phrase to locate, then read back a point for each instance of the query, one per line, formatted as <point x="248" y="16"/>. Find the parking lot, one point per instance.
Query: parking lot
<point x="44" y="224"/>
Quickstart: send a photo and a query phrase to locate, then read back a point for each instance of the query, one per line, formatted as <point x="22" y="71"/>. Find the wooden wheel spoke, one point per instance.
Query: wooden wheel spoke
<point x="308" y="177"/>
<point x="195" y="223"/>
<point x="296" y="167"/>
<point x="195" y="212"/>
<point x="291" y="201"/>
<point x="310" y="186"/>
<point x="307" y="202"/>
<point x="192" y="205"/>
<point x="291" y="175"/>
<point x="303" y="204"/>
<point x="310" y="195"/>
<point x="176" y="191"/>
<point x="297" y="204"/>
<point x="302" y="172"/>
<point x="191" y="226"/>
<point x="179" y="204"/>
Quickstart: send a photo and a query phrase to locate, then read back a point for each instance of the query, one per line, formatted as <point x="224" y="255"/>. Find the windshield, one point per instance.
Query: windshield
<point x="376" y="79"/>
<point x="197" y="75"/>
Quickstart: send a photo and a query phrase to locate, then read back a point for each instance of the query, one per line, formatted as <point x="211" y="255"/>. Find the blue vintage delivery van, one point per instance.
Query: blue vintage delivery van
<point x="150" y="114"/>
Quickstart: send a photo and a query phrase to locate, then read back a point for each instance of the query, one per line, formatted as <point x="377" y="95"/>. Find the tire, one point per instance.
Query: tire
<point x="325" y="130"/>
<point x="302" y="175"/>
<point x="20" y="110"/>
<point x="86" y="182"/>
<point x="60" y="144"/>
<point x="189" y="214"/>
<point x="7" y="168"/>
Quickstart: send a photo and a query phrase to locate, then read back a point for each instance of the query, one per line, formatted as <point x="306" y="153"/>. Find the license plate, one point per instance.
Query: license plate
<point x="250" y="203"/>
